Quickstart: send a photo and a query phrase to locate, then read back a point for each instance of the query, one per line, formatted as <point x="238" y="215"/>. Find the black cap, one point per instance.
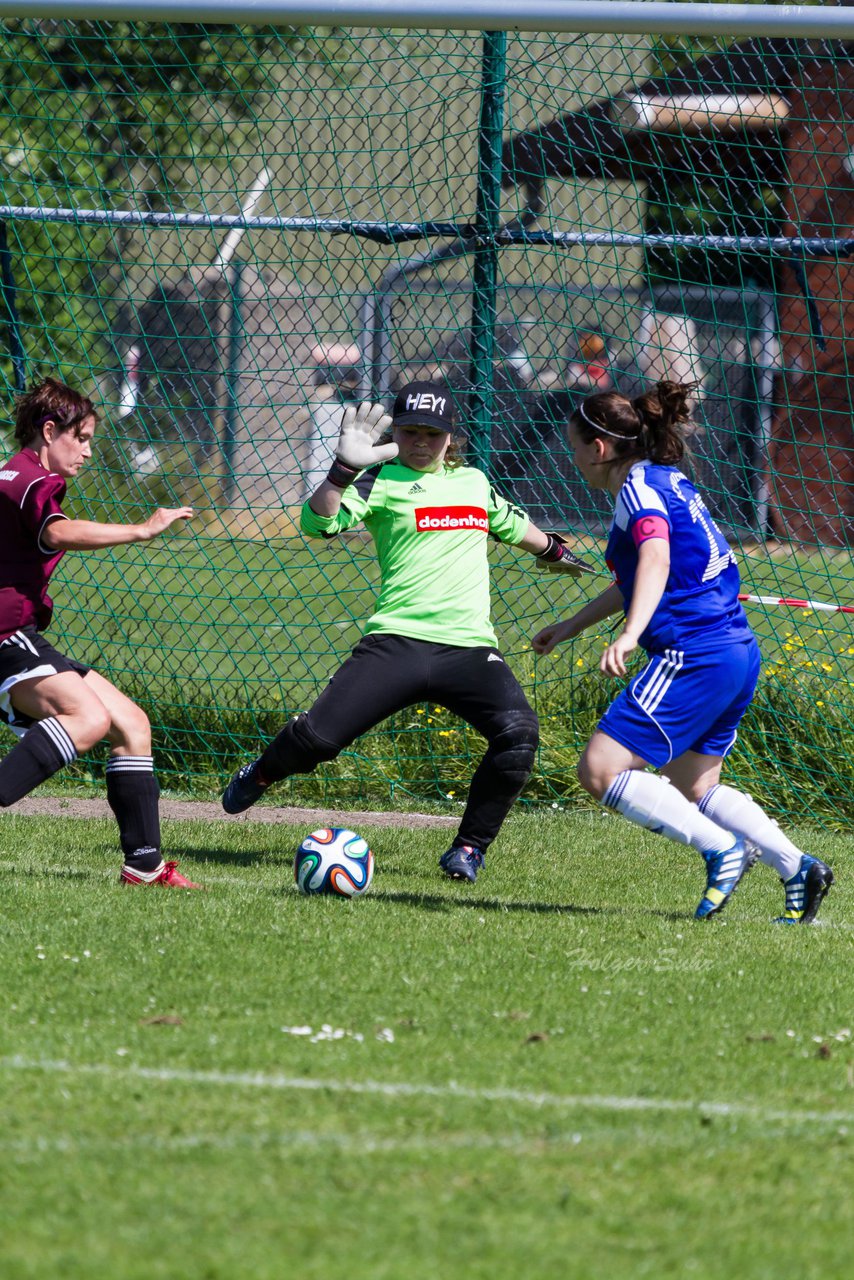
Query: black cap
<point x="424" y="404"/>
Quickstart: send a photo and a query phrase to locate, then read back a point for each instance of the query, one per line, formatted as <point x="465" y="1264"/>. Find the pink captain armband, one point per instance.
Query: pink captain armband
<point x="650" y="527"/>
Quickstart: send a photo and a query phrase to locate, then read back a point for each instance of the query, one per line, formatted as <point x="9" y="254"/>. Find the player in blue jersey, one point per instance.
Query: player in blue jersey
<point x="676" y="581"/>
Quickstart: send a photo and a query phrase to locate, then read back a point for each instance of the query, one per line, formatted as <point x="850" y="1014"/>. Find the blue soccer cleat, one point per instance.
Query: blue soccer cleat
<point x="805" y="891"/>
<point x="724" y="872"/>
<point x="462" y="862"/>
<point x="244" y="789"/>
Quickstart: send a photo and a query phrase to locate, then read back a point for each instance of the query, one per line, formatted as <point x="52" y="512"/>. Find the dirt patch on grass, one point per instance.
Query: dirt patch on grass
<point x="196" y="810"/>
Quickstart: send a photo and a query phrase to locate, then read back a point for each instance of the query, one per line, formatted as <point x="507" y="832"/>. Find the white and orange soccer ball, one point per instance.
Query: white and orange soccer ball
<point x="336" y="861"/>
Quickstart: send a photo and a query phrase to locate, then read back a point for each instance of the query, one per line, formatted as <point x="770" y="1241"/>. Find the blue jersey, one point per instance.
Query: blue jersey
<point x="699" y="608"/>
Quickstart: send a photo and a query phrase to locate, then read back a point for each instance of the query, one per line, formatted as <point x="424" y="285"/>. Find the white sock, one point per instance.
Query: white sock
<point x="145" y="877"/>
<point x="651" y="802"/>
<point x="745" y="817"/>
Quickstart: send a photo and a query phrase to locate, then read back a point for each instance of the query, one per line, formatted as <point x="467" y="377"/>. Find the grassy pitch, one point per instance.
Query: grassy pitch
<point x="553" y="1073"/>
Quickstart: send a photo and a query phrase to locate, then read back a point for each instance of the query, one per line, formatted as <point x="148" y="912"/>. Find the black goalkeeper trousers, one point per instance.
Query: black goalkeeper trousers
<point x="386" y="673"/>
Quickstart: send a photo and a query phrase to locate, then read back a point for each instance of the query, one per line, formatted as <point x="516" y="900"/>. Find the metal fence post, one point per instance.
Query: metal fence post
<point x="485" y="264"/>
<point x="232" y="380"/>
<point x="16" y="346"/>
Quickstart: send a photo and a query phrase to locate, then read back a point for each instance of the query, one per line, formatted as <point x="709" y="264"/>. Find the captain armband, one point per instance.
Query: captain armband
<point x="650" y="527"/>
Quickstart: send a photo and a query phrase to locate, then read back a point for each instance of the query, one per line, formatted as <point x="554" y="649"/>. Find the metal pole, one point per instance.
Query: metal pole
<point x="766" y="334"/>
<point x="623" y="17"/>
<point x="16" y="346"/>
<point x="232" y="381"/>
<point x="485" y="264"/>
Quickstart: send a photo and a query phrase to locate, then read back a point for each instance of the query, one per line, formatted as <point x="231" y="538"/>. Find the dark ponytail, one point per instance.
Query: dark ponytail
<point x="651" y="426"/>
<point x="665" y="413"/>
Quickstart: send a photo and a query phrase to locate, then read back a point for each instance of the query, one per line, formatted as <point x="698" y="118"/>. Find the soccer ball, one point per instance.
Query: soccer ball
<point x="334" y="860"/>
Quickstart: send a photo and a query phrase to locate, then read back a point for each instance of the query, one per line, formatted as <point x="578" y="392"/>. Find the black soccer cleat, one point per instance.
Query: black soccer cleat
<point x="462" y="862"/>
<point x="805" y="891"/>
<point x="244" y="789"/>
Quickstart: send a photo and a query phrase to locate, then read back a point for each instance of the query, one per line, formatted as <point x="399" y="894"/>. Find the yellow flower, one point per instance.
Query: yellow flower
<point x="579" y="662"/>
<point x="819" y="704"/>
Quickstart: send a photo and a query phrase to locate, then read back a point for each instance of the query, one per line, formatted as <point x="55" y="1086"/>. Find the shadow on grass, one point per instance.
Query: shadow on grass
<point x="36" y="871"/>
<point x="437" y="902"/>
<point x="444" y="903"/>
<point x="231" y="857"/>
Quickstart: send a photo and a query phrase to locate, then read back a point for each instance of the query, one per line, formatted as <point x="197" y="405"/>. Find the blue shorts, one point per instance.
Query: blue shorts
<point x="685" y="702"/>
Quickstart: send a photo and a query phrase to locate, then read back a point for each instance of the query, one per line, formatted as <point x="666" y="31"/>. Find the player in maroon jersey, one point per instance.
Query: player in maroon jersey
<point x="57" y="706"/>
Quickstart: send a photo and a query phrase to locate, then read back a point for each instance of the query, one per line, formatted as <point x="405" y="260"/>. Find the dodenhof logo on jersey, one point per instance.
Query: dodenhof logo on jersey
<point x="441" y="519"/>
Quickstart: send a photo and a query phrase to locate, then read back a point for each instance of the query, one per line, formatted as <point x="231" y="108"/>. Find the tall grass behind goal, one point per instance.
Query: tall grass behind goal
<point x="231" y="231"/>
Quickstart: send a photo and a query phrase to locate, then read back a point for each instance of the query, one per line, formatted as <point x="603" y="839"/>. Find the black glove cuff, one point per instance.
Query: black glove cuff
<point x="554" y="551"/>
<point x="340" y="475"/>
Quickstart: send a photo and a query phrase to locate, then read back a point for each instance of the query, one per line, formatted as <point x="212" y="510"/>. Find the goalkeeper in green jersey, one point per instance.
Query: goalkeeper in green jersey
<point x="430" y="636"/>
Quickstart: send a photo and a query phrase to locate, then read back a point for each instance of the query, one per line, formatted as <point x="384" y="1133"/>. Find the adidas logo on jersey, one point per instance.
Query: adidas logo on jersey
<point x="417" y="488"/>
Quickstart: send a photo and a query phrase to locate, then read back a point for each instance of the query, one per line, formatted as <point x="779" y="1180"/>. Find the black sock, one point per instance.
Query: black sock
<point x="133" y="795"/>
<point x="42" y="751"/>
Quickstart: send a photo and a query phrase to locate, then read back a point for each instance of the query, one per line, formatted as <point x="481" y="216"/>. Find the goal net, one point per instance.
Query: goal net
<point x="229" y="232"/>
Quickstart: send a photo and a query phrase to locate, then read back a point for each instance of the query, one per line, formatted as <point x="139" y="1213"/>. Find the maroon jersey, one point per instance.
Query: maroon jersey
<point x="30" y="497"/>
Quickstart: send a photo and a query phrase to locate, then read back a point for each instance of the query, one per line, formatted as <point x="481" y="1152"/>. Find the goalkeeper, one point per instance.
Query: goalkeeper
<point x="430" y="636"/>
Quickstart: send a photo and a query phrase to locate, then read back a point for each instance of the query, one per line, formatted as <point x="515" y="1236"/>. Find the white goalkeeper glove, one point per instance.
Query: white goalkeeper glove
<point x="361" y="427"/>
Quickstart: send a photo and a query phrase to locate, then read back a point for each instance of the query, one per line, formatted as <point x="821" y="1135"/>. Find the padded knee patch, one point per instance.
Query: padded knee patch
<point x="297" y="749"/>
<point x="513" y="748"/>
<point x="311" y="746"/>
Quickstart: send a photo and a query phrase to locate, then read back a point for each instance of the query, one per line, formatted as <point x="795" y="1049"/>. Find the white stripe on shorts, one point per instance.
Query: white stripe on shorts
<point x="22" y="640"/>
<point x="6" y="695"/>
<point x="669" y="666"/>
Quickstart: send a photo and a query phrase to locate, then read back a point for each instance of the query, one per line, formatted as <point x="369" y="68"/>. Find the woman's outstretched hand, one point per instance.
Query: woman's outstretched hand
<point x="548" y="639"/>
<point x="613" y="660"/>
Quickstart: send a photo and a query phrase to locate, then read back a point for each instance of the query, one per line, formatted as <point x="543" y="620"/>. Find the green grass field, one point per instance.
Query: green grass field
<point x="553" y="1073"/>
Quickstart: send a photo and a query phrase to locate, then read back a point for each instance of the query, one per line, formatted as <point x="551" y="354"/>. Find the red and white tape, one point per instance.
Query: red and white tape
<point x="793" y="603"/>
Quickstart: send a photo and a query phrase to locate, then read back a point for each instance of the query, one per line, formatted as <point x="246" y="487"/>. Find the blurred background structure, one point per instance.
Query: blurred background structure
<point x="233" y="230"/>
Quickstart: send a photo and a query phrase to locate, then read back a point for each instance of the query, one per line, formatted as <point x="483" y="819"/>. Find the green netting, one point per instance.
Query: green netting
<point x="529" y="217"/>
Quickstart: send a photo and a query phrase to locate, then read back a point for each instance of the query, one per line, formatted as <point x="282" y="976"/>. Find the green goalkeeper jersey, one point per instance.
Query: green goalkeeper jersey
<point x="430" y="530"/>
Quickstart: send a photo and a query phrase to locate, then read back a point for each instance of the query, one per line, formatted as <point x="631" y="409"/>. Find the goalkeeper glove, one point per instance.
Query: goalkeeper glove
<point x="557" y="558"/>
<point x="357" y="448"/>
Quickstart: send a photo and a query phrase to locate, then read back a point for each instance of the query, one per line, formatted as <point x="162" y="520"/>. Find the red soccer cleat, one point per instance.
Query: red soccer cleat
<point x="166" y="874"/>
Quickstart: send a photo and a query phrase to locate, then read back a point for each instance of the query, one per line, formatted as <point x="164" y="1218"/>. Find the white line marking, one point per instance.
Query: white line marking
<point x="401" y="1089"/>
